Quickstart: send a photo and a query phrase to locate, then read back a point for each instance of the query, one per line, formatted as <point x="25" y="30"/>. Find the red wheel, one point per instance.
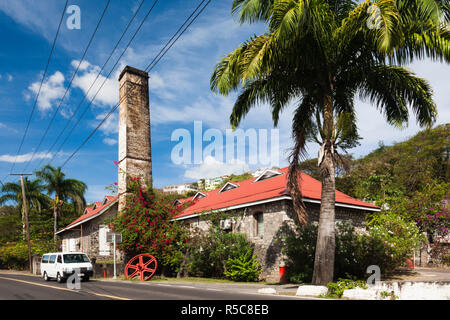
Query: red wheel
<point x="143" y="265"/>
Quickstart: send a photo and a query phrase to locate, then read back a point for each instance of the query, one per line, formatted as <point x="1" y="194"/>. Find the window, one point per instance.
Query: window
<point x="267" y="174"/>
<point x="259" y="218"/>
<point x="73" y="244"/>
<point x="75" y="258"/>
<point x="52" y="259"/>
<point x="228" y="186"/>
<point x="59" y="260"/>
<point x="103" y="245"/>
<point x="44" y="259"/>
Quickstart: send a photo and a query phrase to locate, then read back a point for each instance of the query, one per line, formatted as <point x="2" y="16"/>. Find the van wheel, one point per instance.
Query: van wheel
<point x="59" y="278"/>
<point x="46" y="278"/>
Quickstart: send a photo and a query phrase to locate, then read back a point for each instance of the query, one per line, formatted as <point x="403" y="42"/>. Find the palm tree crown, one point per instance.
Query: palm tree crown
<point x="62" y="189"/>
<point x="12" y="191"/>
<point x="320" y="55"/>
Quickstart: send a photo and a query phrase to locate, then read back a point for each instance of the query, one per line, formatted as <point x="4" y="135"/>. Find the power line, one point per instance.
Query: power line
<point x="95" y="80"/>
<point x="70" y="83"/>
<point x="174" y="35"/>
<point x="152" y="66"/>
<point x="40" y="86"/>
<point x="106" y="78"/>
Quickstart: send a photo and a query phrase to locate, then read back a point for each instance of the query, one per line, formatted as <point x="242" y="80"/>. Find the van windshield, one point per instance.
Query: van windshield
<point x="75" y="258"/>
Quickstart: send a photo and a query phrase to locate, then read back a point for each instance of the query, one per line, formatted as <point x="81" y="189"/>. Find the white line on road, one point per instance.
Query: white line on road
<point x="65" y="289"/>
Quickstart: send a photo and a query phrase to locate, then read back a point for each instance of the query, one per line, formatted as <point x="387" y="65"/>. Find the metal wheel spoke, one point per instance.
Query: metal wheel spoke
<point x="140" y="265"/>
<point x="133" y="274"/>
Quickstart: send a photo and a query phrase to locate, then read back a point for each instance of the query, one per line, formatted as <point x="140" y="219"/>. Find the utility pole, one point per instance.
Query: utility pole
<point x="25" y="210"/>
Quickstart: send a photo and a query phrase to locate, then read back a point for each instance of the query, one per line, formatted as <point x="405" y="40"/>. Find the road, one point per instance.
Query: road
<point x="28" y="287"/>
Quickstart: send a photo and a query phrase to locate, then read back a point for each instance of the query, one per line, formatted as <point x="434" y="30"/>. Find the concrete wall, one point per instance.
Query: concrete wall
<point x="401" y="291"/>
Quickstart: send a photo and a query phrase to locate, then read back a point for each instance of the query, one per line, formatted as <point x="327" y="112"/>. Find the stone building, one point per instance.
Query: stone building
<point x="262" y="203"/>
<point x="88" y="232"/>
<point x="261" y="208"/>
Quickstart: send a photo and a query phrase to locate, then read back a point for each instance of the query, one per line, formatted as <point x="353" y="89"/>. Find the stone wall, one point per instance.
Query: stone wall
<point x="134" y="130"/>
<point x="89" y="242"/>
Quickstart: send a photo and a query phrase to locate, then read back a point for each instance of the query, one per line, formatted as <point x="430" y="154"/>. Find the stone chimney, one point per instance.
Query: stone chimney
<point x="135" y="159"/>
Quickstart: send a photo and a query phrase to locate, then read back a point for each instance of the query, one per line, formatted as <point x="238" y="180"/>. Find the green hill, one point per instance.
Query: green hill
<point x="401" y="169"/>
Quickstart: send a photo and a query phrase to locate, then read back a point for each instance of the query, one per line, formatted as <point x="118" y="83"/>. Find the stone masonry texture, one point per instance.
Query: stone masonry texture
<point x="277" y="216"/>
<point x="134" y="129"/>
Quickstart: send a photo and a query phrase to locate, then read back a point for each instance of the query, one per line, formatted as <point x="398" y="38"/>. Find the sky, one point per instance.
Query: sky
<point x="180" y="95"/>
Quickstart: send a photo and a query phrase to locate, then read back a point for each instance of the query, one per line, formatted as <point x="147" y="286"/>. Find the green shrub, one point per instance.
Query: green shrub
<point x="300" y="249"/>
<point x="446" y="260"/>
<point x="147" y="226"/>
<point x="14" y="255"/>
<point x="210" y="252"/>
<point x="244" y="268"/>
<point x="336" y="289"/>
<point x="387" y="244"/>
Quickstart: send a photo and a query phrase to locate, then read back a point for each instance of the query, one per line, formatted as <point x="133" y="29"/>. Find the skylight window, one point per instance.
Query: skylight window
<point x="199" y="195"/>
<point x="228" y="186"/>
<point x="267" y="174"/>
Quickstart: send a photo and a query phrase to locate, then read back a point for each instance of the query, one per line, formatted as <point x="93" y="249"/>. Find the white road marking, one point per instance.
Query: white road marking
<point x="65" y="289"/>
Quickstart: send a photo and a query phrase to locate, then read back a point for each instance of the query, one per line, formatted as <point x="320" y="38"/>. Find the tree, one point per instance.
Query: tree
<point x="62" y="189"/>
<point x="319" y="54"/>
<point x="12" y="191"/>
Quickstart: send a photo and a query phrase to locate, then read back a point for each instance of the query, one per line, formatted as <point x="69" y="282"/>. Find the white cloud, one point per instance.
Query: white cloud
<point x="87" y="74"/>
<point x="24" y="157"/>
<point x="110" y="126"/>
<point x="83" y="66"/>
<point x="96" y="192"/>
<point x="211" y="168"/>
<point x="9" y="77"/>
<point x="213" y="110"/>
<point x="110" y="141"/>
<point x="52" y="89"/>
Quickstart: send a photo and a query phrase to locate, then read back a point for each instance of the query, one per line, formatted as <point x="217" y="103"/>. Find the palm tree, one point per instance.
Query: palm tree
<point x="62" y="189"/>
<point x="12" y="191"/>
<point x="321" y="54"/>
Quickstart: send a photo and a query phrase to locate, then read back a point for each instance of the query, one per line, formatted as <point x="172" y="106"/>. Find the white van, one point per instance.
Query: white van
<point x="61" y="265"/>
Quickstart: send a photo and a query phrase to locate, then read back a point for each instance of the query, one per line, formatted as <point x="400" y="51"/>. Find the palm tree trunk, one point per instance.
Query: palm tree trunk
<point x="23" y="224"/>
<point x="55" y="219"/>
<point x="325" y="247"/>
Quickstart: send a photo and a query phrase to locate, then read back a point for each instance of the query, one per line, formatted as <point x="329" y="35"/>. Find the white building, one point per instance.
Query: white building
<point x="180" y="188"/>
<point x="210" y="183"/>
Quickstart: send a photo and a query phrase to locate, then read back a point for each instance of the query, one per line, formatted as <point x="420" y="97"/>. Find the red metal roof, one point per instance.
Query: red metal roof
<point x="91" y="213"/>
<point x="250" y="191"/>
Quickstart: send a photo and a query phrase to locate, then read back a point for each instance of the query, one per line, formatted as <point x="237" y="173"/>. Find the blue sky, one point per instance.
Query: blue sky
<point x="179" y="87"/>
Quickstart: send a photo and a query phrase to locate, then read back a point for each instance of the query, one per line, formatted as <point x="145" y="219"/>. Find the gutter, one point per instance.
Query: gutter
<point x="239" y="206"/>
<point x="88" y="219"/>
